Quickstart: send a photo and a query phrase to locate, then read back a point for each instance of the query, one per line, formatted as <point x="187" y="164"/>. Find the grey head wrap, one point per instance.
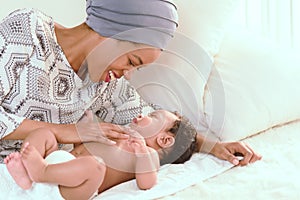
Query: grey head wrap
<point x="151" y="22"/>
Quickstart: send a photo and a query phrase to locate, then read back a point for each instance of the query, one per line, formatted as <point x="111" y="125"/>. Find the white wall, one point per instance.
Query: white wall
<point x="66" y="12"/>
<point x="275" y="20"/>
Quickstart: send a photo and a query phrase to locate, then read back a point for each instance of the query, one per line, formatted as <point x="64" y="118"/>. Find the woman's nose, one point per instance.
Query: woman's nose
<point x="121" y="70"/>
<point x="128" y="73"/>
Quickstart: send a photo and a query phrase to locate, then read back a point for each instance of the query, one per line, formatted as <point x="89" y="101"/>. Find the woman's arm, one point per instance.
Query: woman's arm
<point x="65" y="133"/>
<point x="228" y="150"/>
<point x="83" y="131"/>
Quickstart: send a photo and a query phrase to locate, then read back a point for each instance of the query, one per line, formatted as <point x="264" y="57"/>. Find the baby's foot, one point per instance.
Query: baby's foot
<point x="17" y="170"/>
<point x="33" y="162"/>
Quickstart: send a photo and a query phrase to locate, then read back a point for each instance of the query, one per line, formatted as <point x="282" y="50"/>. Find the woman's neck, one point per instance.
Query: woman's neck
<point x="77" y="43"/>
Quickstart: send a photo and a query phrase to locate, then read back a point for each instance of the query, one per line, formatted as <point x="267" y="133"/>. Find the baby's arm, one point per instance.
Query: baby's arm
<point x="147" y="163"/>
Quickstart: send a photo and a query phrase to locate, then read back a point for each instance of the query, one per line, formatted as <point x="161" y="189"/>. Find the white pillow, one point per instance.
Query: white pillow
<point x="260" y="87"/>
<point x="205" y="21"/>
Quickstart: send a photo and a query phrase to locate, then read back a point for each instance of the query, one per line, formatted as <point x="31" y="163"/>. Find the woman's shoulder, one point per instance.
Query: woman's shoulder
<point x="24" y="11"/>
<point x="23" y="25"/>
<point x="27" y="15"/>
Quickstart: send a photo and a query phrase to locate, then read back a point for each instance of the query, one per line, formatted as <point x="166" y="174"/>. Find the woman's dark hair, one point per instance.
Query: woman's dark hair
<point x="185" y="142"/>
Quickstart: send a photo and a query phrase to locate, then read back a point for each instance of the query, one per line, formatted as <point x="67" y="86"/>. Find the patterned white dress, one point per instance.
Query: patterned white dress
<point x="38" y="83"/>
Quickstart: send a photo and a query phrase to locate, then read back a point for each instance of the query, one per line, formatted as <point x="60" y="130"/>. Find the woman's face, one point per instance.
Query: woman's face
<point x="127" y="63"/>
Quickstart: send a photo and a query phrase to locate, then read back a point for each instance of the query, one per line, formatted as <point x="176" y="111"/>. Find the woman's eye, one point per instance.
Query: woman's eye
<point x="130" y="62"/>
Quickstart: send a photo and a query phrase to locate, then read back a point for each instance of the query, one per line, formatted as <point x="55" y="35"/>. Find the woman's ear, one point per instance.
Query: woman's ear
<point x="165" y="140"/>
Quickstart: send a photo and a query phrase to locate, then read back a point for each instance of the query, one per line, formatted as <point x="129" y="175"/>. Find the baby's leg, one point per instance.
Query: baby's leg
<point x="17" y="170"/>
<point x="94" y="176"/>
<point x="78" y="178"/>
<point x="43" y="140"/>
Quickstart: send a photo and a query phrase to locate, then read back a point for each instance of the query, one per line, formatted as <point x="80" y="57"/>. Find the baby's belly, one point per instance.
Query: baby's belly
<point x="114" y="157"/>
<point x="80" y="151"/>
<point x="114" y="177"/>
<point x="119" y="163"/>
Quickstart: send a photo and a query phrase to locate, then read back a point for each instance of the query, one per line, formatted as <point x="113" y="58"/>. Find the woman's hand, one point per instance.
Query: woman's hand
<point x="91" y="130"/>
<point x="230" y="150"/>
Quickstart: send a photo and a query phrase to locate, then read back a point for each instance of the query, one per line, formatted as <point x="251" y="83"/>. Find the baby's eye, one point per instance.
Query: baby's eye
<point x="153" y="114"/>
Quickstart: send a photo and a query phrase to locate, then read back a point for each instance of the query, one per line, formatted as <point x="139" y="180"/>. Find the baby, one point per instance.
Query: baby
<point x="153" y="140"/>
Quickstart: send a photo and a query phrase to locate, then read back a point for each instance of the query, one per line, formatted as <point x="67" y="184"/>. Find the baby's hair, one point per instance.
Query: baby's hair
<point x="185" y="142"/>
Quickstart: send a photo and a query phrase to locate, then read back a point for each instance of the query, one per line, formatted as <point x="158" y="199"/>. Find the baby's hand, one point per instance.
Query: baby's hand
<point x="137" y="141"/>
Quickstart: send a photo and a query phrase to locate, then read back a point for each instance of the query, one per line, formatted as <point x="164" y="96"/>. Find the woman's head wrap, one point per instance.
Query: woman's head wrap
<point x="151" y="22"/>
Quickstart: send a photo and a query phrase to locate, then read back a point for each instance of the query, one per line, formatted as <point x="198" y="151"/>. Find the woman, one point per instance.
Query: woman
<point x="41" y="65"/>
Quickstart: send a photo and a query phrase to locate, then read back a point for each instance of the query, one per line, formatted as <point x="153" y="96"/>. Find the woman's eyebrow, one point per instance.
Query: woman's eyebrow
<point x="139" y="59"/>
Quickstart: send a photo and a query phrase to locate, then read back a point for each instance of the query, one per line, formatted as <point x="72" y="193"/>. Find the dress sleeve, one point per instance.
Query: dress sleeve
<point x="8" y="122"/>
<point x="13" y="59"/>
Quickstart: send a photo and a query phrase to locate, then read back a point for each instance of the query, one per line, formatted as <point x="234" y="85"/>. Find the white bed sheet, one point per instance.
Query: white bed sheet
<point x="172" y="178"/>
<point x="276" y="176"/>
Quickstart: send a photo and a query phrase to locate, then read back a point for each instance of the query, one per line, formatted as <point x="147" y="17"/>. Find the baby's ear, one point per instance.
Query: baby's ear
<point x="165" y="141"/>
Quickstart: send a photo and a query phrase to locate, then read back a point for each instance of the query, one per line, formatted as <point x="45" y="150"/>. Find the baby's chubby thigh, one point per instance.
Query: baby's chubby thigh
<point x="91" y="168"/>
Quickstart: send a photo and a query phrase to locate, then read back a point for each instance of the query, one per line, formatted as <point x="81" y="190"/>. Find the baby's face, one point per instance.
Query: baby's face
<point x="156" y="122"/>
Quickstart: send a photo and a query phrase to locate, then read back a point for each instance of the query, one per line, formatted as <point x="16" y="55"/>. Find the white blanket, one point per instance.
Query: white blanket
<point x="275" y="176"/>
<point x="172" y="178"/>
<point x="9" y="190"/>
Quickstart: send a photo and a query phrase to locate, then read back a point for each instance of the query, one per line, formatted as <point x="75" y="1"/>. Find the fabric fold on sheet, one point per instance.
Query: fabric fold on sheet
<point x="9" y="190"/>
<point x="179" y="176"/>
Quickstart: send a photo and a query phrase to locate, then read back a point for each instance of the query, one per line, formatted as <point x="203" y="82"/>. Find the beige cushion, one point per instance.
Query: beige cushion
<point x="260" y="87"/>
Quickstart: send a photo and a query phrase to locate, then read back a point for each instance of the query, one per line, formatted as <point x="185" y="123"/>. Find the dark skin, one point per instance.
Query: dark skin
<point x="229" y="151"/>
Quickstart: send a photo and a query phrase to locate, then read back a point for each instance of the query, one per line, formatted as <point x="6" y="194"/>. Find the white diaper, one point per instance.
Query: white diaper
<point x="51" y="191"/>
<point x="59" y="156"/>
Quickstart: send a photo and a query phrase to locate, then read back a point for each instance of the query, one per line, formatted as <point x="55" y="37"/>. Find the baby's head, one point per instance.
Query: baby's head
<point x="173" y="136"/>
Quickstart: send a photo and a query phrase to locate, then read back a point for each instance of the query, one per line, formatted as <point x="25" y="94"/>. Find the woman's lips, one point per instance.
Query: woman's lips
<point x="134" y="120"/>
<point x="107" y="78"/>
<point x="110" y="76"/>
